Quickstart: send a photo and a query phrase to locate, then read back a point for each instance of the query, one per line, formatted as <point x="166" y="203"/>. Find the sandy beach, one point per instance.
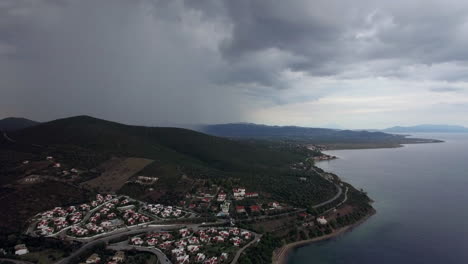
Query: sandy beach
<point x="281" y="255"/>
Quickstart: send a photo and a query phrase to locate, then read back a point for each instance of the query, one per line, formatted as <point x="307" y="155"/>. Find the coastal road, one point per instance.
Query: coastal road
<point x="338" y="194"/>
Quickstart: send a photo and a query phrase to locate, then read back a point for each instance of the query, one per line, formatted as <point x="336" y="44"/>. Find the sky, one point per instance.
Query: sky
<point x="350" y="64"/>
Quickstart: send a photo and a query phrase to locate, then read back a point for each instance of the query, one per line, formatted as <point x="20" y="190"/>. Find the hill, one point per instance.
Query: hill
<point x="181" y="159"/>
<point x="427" y="129"/>
<point x="330" y="137"/>
<point x="16" y="123"/>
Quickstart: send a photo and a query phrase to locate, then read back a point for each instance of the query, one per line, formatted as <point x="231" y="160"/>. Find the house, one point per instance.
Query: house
<point x="200" y="257"/>
<point x="225" y="207"/>
<point x="152" y="241"/>
<point x="119" y="256"/>
<point x="224" y="256"/>
<point x="235" y="231"/>
<point x="193" y="240"/>
<point x="213" y="260"/>
<point x="193" y="248"/>
<point x="57" y="165"/>
<point x="251" y="194"/>
<point x="178" y="252"/>
<point x="49" y="158"/>
<point x="94" y="258"/>
<point x="218" y="239"/>
<point x="246" y="234"/>
<point x="224" y="234"/>
<point x="274" y="205"/>
<point x="302" y="215"/>
<point x="26" y="162"/>
<point x="321" y="220"/>
<point x="239" y="193"/>
<point x="236" y="241"/>
<point x="240" y="209"/>
<point x="21" y="249"/>
<point x="184" y="232"/>
<point x="136" y="241"/>
<point x="221" y="197"/>
<point x="183" y="259"/>
<point x="255" y="208"/>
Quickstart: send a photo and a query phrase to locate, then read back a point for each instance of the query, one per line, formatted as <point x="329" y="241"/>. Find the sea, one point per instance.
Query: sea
<point x="420" y="192"/>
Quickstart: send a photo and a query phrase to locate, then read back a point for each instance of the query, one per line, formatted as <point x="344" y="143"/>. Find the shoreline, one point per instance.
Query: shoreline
<point x="282" y="255"/>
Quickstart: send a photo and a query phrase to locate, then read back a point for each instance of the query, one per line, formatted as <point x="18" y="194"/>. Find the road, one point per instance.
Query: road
<point x="16" y="261"/>
<point x="338" y="188"/>
<point x="239" y="252"/>
<point x="125" y="246"/>
<point x="338" y="194"/>
<point x="106" y="239"/>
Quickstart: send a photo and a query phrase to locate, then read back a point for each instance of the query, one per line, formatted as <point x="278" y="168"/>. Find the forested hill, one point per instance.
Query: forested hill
<point x="15" y="123"/>
<point x="161" y="143"/>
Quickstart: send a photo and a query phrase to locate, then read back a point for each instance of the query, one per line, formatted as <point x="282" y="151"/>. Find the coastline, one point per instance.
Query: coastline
<point x="280" y="256"/>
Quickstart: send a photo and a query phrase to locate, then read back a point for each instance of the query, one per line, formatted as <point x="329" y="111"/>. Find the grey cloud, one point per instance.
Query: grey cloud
<point x="445" y="89"/>
<point x="150" y="61"/>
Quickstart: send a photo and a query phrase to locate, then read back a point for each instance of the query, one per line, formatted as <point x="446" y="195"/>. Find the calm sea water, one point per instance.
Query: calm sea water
<point x="421" y="197"/>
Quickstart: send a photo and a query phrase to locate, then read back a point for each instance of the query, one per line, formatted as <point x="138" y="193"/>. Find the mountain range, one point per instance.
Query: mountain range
<point x="427" y="129"/>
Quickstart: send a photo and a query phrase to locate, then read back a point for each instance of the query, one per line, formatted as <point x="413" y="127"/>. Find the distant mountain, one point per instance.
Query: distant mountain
<point x="309" y="135"/>
<point x="427" y="129"/>
<point x="16" y="123"/>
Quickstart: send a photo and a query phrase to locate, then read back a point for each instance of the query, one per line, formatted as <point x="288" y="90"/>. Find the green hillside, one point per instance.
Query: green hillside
<point x="166" y="144"/>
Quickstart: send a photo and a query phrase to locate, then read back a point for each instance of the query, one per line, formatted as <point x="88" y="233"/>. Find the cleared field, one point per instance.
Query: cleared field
<point x="116" y="174"/>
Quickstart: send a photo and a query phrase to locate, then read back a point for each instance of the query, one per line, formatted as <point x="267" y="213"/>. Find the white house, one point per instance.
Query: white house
<point x="21" y="249"/>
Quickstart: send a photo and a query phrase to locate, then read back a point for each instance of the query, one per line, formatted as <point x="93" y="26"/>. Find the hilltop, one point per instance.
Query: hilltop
<point x="16" y="123"/>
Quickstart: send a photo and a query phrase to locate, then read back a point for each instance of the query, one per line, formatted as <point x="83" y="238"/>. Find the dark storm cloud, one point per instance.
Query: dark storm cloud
<point x="146" y="61"/>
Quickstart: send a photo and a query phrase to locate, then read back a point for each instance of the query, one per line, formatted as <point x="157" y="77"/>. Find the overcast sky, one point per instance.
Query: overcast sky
<point x="355" y="64"/>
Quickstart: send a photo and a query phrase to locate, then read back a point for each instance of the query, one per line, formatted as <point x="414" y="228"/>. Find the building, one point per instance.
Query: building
<point x="221" y="197"/>
<point x="119" y="256"/>
<point x="240" y="209"/>
<point x="255" y="208"/>
<point x="238" y="192"/>
<point x="225" y="207"/>
<point x="321" y="220"/>
<point x="274" y="205"/>
<point x="21" y="249"/>
<point x="251" y="195"/>
<point x="94" y="258"/>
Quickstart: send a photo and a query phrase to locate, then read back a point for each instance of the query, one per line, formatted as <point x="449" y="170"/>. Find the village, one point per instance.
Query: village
<point x="202" y="227"/>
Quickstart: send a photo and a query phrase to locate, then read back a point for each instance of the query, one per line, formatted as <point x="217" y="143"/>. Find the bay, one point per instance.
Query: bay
<point x="421" y="197"/>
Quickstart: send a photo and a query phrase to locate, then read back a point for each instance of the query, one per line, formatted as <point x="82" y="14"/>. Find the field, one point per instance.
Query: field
<point x="116" y="174"/>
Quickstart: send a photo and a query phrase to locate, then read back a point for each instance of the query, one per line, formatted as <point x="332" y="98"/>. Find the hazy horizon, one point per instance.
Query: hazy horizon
<point x="360" y="64"/>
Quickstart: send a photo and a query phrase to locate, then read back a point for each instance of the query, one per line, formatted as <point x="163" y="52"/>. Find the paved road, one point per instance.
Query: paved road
<point x="338" y="194"/>
<point x="16" y="261"/>
<point x="125" y="246"/>
<point x="116" y="235"/>
<point x="338" y="188"/>
<point x="239" y="252"/>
